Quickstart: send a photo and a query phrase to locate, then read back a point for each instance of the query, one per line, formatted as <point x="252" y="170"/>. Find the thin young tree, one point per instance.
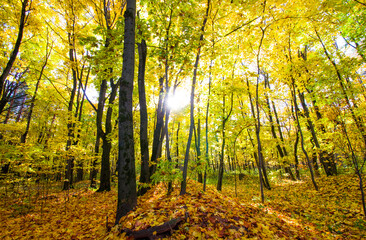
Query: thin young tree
<point x="186" y="156"/>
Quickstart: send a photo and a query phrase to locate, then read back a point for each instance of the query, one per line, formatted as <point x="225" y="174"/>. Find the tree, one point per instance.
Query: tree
<point x="186" y="157"/>
<point x="29" y="117"/>
<point x="222" y="153"/>
<point x="127" y="196"/>
<point x="6" y="71"/>
<point x="144" y="140"/>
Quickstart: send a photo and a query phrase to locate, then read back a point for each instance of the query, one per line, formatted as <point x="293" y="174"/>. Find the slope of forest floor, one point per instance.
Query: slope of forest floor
<point x="292" y="210"/>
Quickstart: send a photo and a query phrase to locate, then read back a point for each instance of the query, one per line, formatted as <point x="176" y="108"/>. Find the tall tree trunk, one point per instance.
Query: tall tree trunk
<point x="186" y="157"/>
<point x="99" y="119"/>
<point x="281" y="150"/>
<point x="68" y="182"/>
<point x="7" y="117"/>
<point x="167" y="109"/>
<point x="296" y="158"/>
<point x="328" y="158"/>
<point x="197" y="140"/>
<point x="158" y="136"/>
<point x="206" y="123"/>
<point x="80" y="165"/>
<point x="302" y="137"/>
<point x="222" y="154"/>
<point x="261" y="163"/>
<point x="144" y="140"/>
<point x="106" y="148"/>
<point x="327" y="167"/>
<point x="127" y="197"/>
<point x="105" y="170"/>
<point x="260" y="169"/>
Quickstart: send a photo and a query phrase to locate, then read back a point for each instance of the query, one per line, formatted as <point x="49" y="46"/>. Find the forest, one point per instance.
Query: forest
<point x="193" y="119"/>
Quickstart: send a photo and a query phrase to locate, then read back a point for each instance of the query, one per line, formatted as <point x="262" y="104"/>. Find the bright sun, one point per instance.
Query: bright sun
<point x="179" y="100"/>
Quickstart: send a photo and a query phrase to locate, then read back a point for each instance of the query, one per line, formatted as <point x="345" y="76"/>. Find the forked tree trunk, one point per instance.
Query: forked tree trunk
<point x="105" y="171"/>
<point x="261" y="170"/>
<point x="302" y="137"/>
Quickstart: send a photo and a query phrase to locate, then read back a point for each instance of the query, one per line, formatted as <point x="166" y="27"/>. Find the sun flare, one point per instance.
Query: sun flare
<point x="178" y="100"/>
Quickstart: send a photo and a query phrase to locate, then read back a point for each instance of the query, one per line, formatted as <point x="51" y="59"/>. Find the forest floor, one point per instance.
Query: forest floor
<point x="292" y="210"/>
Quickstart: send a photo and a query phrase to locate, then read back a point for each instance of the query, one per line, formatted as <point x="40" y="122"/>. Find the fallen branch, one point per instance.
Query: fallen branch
<point x="149" y="233"/>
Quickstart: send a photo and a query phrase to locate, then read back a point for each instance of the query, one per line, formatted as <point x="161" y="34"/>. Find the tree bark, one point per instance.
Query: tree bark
<point x="127" y="197"/>
<point x="144" y="140"/>
<point x="105" y="171"/>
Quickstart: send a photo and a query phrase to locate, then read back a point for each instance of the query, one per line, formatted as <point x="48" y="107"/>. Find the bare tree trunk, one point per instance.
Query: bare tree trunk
<point x="105" y="171"/>
<point x="144" y="140"/>
<point x="197" y="140"/>
<point x="261" y="175"/>
<point x="206" y="122"/>
<point x="127" y="197"/>
<point x="158" y="136"/>
<point x="222" y="154"/>
<point x="302" y="138"/>
<point x="281" y="150"/>
<point x="100" y="110"/>
<point x="327" y="167"/>
<point x="68" y="182"/>
<point x="296" y="158"/>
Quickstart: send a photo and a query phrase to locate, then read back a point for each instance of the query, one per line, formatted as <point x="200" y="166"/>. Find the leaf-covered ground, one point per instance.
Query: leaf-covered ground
<point x="78" y="214"/>
<point x="335" y="209"/>
<point x="293" y="210"/>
